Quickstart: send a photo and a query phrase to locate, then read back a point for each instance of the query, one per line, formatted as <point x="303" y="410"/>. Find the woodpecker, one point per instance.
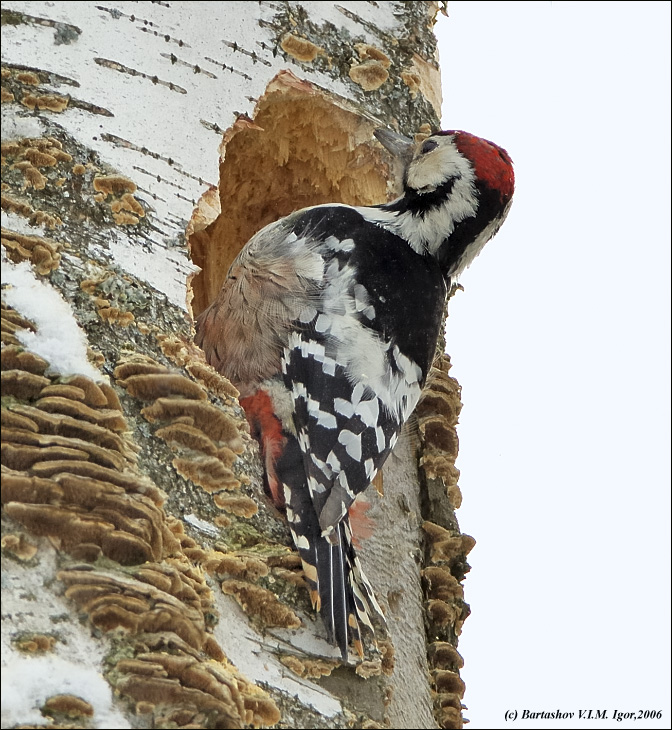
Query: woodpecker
<point x="327" y="324"/>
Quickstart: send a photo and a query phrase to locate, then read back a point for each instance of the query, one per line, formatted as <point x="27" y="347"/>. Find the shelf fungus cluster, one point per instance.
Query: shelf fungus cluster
<point x="437" y="414"/>
<point x="19" y="85"/>
<point x="205" y="439"/>
<point x="446" y="549"/>
<point x="371" y="71"/>
<point x="31" y="165"/>
<point x="40" y="172"/>
<point x="70" y="474"/>
<point x="126" y="210"/>
<point x="32" y="157"/>
<point x="43" y="253"/>
<point x="445" y="613"/>
<point x="67" y="708"/>
<point x="102" y="300"/>
<point x="176" y="671"/>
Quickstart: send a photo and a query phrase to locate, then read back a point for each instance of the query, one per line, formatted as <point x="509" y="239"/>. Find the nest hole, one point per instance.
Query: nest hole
<point x="301" y="149"/>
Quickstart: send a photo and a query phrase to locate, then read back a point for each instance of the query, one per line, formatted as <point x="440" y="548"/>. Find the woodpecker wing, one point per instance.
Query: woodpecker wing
<point x="347" y="315"/>
<point x="268" y="287"/>
<point x="353" y="385"/>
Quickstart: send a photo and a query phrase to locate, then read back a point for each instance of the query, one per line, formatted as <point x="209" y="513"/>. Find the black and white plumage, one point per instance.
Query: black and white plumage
<point x="328" y="323"/>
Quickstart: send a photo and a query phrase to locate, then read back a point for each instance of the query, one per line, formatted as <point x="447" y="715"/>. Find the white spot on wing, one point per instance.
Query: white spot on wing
<point x="333" y="462"/>
<point x="314" y="486"/>
<point x="368" y="411"/>
<point x="303" y="442"/>
<point x="322" y="466"/>
<point x="369" y="469"/>
<point x="322" y="323"/>
<point x="352" y="443"/>
<point x="343" y="407"/>
<point x="333" y="243"/>
<point x="324" y="419"/>
<point x="380" y="439"/>
<point x="357" y="393"/>
<point x="301" y="541"/>
<point x="311" y="349"/>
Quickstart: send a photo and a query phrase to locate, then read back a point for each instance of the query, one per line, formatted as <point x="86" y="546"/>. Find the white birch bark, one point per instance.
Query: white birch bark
<point x="146" y="581"/>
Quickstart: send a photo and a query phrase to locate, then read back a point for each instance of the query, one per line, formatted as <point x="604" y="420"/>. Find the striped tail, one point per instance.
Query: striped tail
<point x="339" y="590"/>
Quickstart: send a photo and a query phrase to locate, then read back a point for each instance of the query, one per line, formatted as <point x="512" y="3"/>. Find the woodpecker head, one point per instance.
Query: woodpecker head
<point x="457" y="193"/>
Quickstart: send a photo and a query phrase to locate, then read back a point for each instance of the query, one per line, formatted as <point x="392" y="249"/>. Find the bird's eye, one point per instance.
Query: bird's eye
<point x="428" y="145"/>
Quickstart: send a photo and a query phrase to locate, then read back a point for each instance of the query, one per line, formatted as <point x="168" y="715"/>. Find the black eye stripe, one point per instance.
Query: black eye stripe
<point x="428" y="145"/>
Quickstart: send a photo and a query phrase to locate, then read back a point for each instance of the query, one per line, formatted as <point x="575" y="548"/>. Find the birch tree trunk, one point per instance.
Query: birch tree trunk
<point x="147" y="582"/>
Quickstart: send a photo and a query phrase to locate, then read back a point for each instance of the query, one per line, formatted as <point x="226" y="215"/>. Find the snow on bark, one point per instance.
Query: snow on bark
<point x="58" y="338"/>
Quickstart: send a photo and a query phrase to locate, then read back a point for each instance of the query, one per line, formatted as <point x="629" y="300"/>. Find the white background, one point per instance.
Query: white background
<point x="561" y="342"/>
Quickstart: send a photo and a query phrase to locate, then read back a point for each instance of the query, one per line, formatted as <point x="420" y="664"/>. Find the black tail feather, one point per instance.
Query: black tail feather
<point x="335" y="594"/>
<point x="339" y="590"/>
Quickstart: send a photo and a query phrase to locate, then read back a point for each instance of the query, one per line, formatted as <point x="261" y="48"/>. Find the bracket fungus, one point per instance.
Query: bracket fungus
<point x="204" y="437"/>
<point x="437" y="414"/>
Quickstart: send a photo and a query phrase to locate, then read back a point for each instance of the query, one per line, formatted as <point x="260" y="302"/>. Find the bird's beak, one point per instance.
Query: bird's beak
<point x="398" y="145"/>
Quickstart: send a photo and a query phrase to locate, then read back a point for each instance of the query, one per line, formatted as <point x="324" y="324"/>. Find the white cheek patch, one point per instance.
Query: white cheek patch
<point x="428" y="171"/>
<point x="425" y="174"/>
